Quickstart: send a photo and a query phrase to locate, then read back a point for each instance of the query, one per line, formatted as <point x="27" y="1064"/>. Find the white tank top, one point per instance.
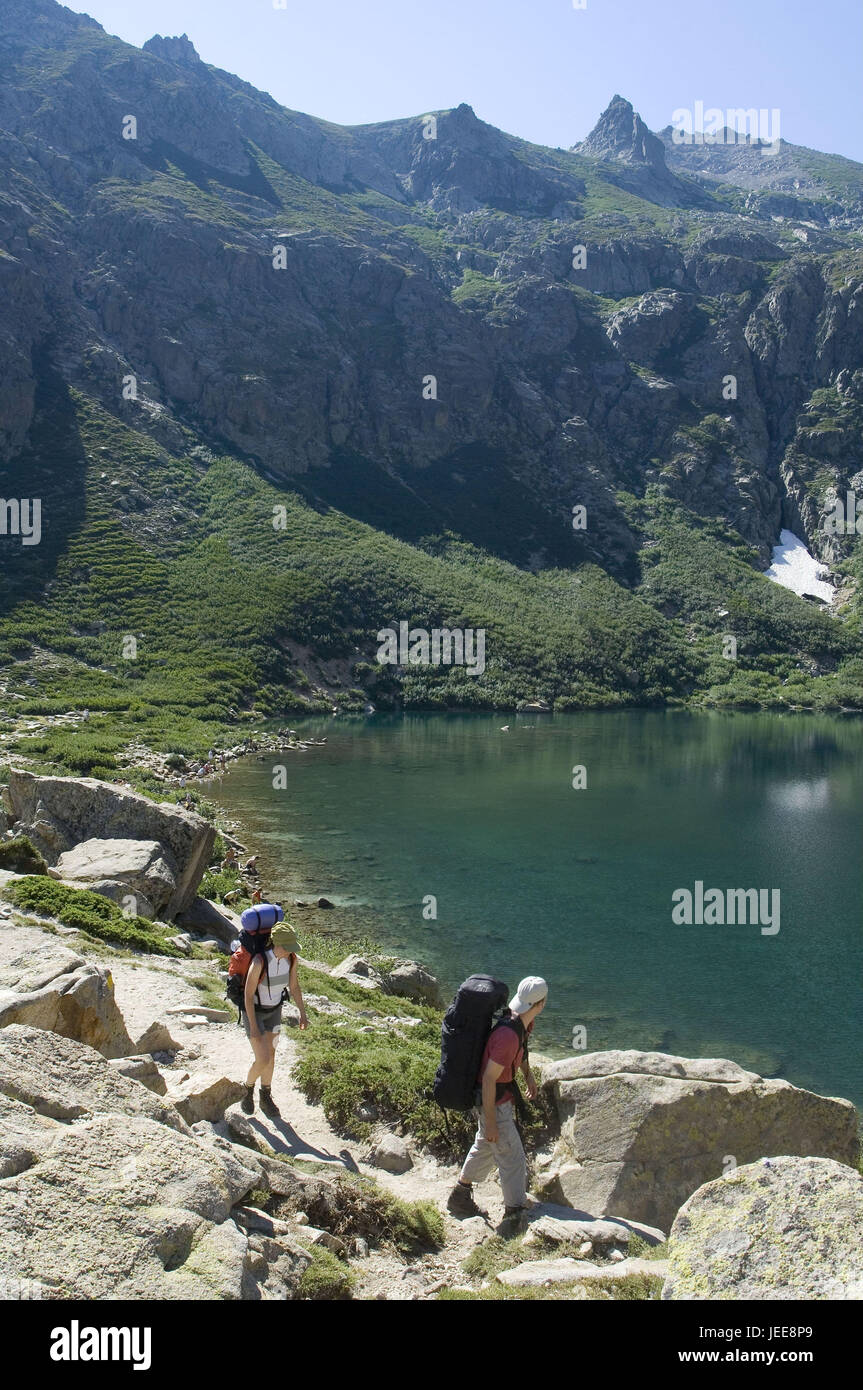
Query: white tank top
<point x="270" y="986"/>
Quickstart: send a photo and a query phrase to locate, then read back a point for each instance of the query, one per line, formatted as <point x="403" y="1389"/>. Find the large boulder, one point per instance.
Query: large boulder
<point x="641" y="1131"/>
<point x="65" y="1080"/>
<point x="410" y="980"/>
<point x="358" y="971"/>
<point x="117" y="891"/>
<point x="204" y="916"/>
<point x="138" y="865"/>
<point x="784" y="1228"/>
<point x="58" y="813"/>
<point x="122" y="1208"/>
<point x="48" y="986"/>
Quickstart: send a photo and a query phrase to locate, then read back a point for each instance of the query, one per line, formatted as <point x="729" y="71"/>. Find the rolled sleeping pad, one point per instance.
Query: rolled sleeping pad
<point x="261" y="918"/>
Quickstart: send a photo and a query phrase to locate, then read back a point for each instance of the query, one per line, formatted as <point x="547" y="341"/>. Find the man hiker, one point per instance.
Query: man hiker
<point x="497" y="1138"/>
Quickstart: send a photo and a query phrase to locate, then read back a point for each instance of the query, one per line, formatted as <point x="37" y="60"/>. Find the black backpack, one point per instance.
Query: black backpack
<point x="466" y="1027"/>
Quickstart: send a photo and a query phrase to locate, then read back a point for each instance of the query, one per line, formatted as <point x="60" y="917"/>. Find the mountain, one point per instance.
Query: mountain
<point x="426" y="341"/>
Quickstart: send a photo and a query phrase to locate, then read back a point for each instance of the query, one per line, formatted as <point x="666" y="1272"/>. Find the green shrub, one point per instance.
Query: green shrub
<point x="365" y="1209"/>
<point x="343" y="1069"/>
<point x="20" y="856"/>
<point x="90" y="913"/>
<point x="326" y="1277"/>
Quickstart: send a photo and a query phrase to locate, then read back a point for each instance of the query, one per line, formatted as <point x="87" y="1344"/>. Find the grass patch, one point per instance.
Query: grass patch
<point x="640" y="1249"/>
<point x="326" y="1277"/>
<point x="90" y="913"/>
<point x="20" y="856"/>
<point x="342" y="1069"/>
<point x="212" y="991"/>
<point x="631" y="1287"/>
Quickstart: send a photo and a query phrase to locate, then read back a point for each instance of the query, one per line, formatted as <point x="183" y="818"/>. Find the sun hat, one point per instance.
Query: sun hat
<point x="530" y="991"/>
<point x="284" y="935"/>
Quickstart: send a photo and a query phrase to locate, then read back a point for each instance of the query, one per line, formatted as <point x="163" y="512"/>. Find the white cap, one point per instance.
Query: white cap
<point x="531" y="990"/>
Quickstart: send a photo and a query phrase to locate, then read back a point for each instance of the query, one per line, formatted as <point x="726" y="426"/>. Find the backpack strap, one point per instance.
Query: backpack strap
<point x="514" y="1022"/>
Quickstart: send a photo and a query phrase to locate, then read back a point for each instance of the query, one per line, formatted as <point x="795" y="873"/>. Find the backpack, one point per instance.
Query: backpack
<point x="251" y="943"/>
<point x="467" y="1024"/>
<point x="262" y="917"/>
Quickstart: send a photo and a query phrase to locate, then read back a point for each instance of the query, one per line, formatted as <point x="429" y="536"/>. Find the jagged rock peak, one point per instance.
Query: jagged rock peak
<point x="620" y="133"/>
<point x="175" y="50"/>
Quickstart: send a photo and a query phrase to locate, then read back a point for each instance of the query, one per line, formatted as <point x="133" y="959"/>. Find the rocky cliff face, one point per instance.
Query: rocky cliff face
<point x="415" y="320"/>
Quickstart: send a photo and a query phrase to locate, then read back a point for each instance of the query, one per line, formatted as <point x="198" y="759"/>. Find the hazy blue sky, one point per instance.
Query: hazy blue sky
<point x="541" y="69"/>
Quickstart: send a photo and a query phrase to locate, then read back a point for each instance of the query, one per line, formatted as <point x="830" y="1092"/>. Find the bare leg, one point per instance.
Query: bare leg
<point x="263" y="1059"/>
<point x="267" y="1071"/>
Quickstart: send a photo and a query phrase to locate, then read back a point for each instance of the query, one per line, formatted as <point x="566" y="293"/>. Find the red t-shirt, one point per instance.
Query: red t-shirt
<point x="504" y="1047"/>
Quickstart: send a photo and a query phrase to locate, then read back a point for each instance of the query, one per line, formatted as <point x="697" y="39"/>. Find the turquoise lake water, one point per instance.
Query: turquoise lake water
<point x="532" y="876"/>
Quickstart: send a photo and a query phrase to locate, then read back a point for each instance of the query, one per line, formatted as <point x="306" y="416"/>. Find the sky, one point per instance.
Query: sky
<point x="541" y="69"/>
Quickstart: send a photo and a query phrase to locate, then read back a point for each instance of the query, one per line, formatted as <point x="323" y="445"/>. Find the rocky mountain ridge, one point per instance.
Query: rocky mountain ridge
<point x="426" y="326"/>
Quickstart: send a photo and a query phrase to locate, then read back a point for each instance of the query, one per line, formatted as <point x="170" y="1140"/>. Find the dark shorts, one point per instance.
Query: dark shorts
<point x="269" y="1020"/>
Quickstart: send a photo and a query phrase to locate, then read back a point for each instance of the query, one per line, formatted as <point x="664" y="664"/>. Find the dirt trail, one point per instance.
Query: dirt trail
<point x="145" y="990"/>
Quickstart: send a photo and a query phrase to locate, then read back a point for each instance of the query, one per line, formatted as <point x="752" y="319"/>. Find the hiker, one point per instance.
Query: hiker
<point x="272" y="971"/>
<point x="230" y="859"/>
<point x="251" y="865"/>
<point x="497" y="1138"/>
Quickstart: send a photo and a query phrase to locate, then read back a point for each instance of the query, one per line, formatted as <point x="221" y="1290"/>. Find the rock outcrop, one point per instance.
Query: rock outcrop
<point x="204" y="916"/>
<point x="59" y="814"/>
<point x="66" y="1080"/>
<point x="48" y="986"/>
<point x="106" y="1193"/>
<point x="410" y="980"/>
<point x="205" y="1096"/>
<point x="565" y="1270"/>
<point x="640" y="1131"/>
<point x="358" y="971"/>
<point x="121" y="1207"/>
<point x="135" y="866"/>
<point x="783" y="1228"/>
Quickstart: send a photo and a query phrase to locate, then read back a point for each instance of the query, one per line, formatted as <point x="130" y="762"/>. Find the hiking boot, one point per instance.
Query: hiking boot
<point x="461" y="1203"/>
<point x="514" y="1218"/>
<point x="268" y="1105"/>
<point x="247" y="1104"/>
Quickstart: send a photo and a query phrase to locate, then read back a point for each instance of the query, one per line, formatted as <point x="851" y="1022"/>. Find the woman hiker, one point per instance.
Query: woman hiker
<point x="270" y="974"/>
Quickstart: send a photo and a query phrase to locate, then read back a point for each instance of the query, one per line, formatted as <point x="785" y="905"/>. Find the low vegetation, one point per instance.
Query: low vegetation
<point x="93" y="915"/>
<point x="326" y="1278"/>
<point x="19" y="856"/>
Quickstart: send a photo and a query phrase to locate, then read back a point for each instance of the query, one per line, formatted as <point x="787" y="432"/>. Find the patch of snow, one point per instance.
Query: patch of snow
<point x="794" y="568"/>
